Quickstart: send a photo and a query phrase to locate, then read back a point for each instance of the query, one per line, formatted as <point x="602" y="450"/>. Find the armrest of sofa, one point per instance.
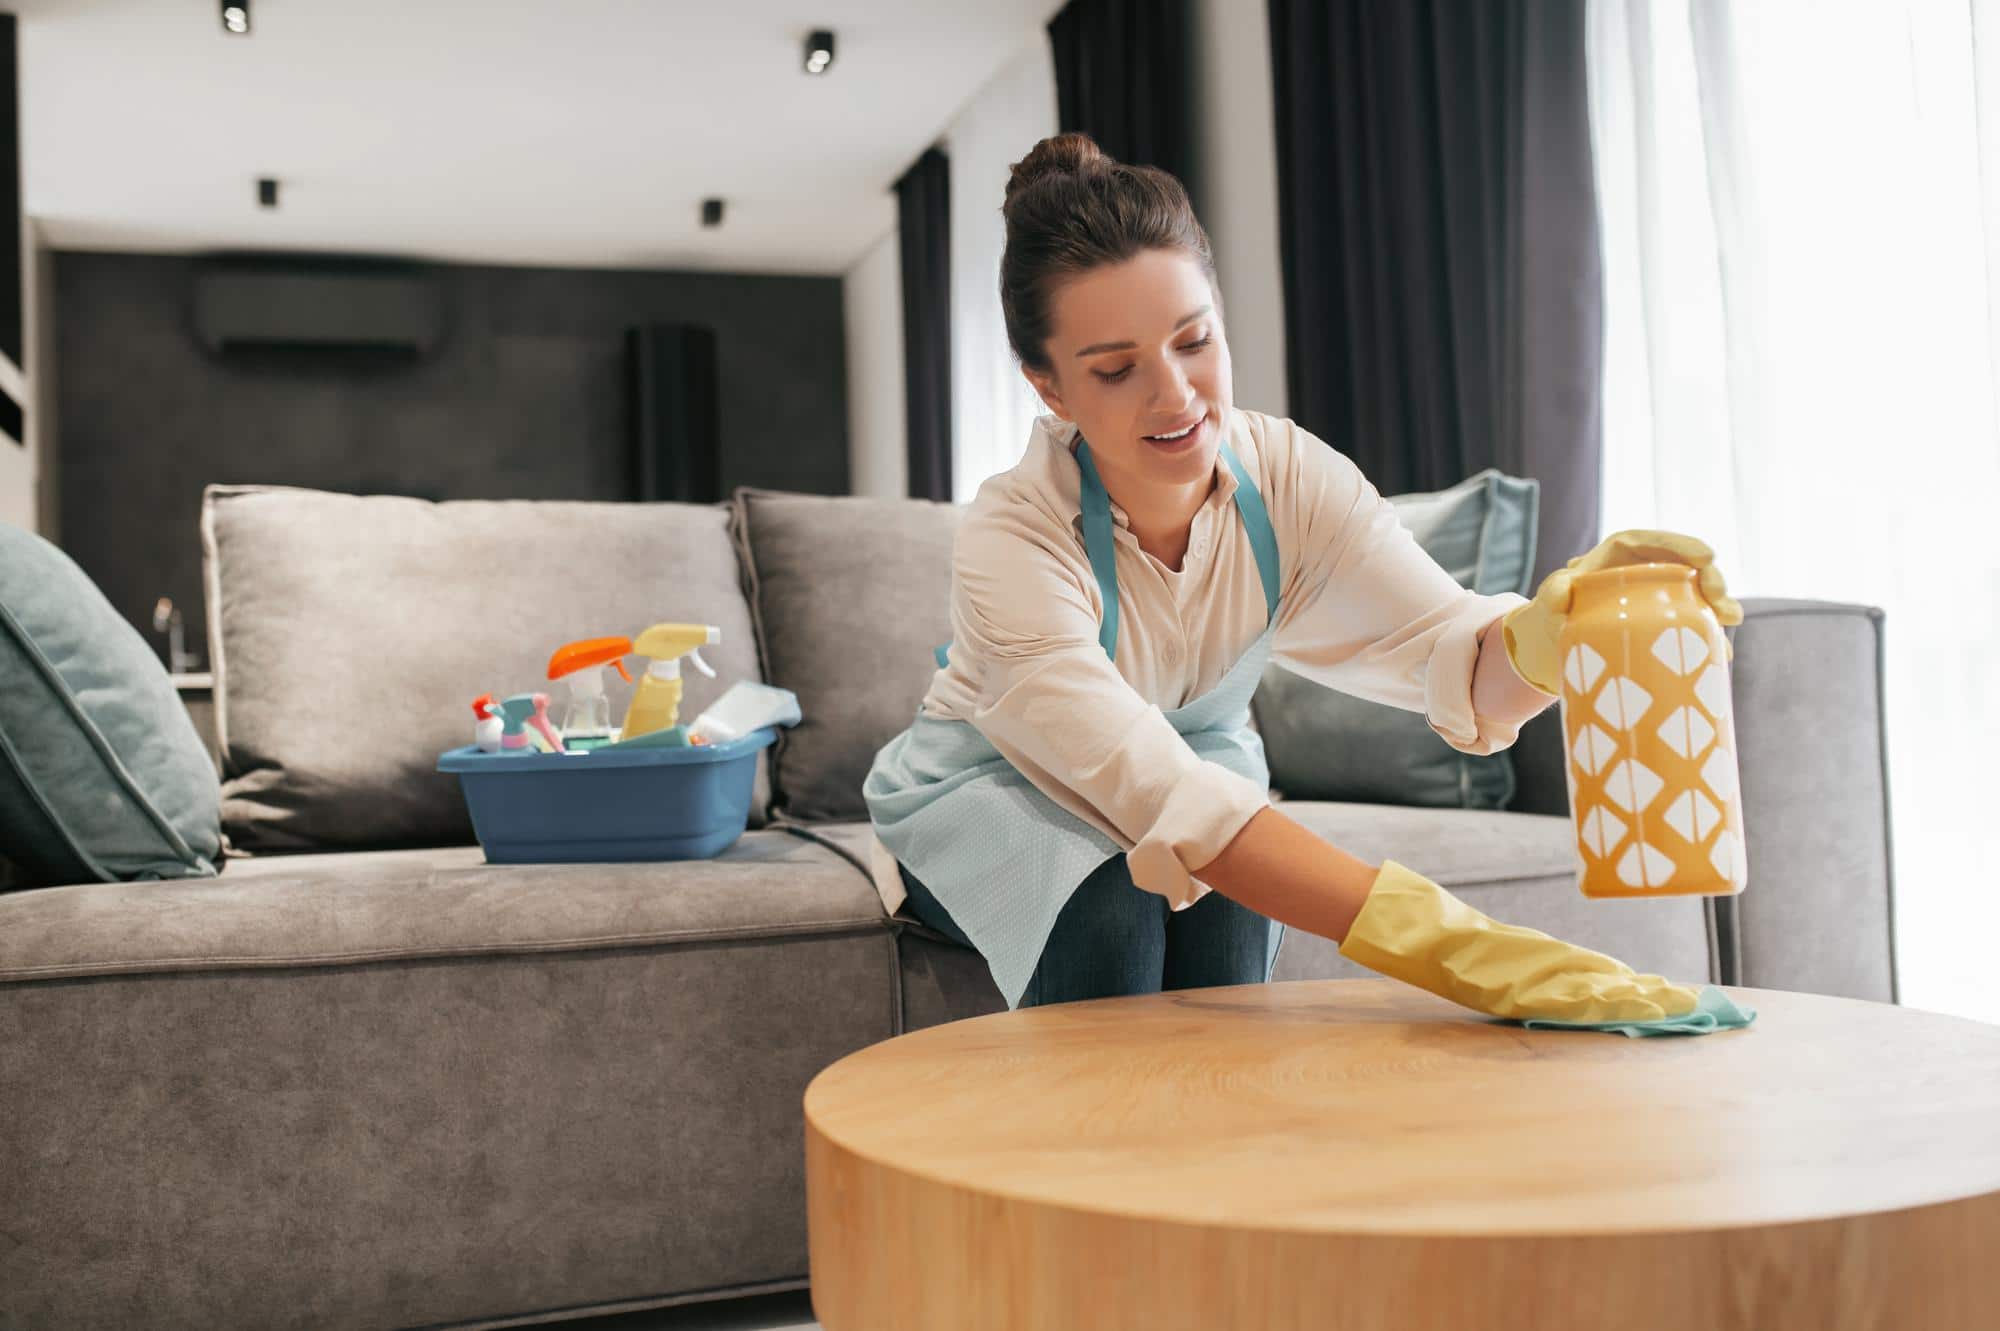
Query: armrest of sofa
<point x="1818" y="915"/>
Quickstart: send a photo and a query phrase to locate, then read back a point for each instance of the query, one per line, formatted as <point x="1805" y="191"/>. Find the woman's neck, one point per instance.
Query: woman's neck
<point x="1163" y="515"/>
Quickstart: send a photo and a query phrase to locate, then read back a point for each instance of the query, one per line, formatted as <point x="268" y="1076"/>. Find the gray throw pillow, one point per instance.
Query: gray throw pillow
<point x="350" y="634"/>
<point x="1326" y="745"/>
<point x="102" y="774"/>
<point x="851" y="596"/>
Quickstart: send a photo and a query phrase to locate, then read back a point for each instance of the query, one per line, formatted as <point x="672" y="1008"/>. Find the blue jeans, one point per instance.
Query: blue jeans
<point x="1115" y="938"/>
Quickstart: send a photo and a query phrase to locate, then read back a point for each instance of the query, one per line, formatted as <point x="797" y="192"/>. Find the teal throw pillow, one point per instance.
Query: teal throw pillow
<point x="102" y="773"/>
<point x="1326" y="745"/>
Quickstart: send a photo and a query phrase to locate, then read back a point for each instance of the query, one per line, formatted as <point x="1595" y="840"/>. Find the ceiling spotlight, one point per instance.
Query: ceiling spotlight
<point x="267" y="192"/>
<point x="711" y="212"/>
<point x="236" y="17"/>
<point x="819" y="52"/>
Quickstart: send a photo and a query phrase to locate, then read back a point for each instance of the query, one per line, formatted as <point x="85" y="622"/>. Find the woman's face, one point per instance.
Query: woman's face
<point x="1136" y="352"/>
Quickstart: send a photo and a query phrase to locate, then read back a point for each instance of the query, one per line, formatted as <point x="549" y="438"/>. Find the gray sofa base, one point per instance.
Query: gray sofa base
<point x="553" y="1088"/>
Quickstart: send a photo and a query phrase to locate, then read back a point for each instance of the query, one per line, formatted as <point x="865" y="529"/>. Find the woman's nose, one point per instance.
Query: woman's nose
<point x="1172" y="388"/>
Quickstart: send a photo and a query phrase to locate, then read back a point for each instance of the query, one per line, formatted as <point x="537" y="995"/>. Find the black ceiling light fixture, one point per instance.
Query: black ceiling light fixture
<point x="711" y="212"/>
<point x="267" y="192"/>
<point x="819" y="52"/>
<point x="236" y="17"/>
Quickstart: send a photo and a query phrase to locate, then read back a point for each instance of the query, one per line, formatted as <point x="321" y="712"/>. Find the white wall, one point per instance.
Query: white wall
<point x="21" y="482"/>
<point x="1234" y="185"/>
<point x="872" y="297"/>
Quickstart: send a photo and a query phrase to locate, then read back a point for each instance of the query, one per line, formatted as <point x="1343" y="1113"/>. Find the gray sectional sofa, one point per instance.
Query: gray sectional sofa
<point x="364" y="1079"/>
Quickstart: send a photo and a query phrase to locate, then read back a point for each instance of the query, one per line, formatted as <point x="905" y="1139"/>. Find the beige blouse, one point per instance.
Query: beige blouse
<point x="1363" y="610"/>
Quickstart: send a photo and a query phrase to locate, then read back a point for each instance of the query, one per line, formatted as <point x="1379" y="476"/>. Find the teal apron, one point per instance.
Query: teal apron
<point x="1002" y="857"/>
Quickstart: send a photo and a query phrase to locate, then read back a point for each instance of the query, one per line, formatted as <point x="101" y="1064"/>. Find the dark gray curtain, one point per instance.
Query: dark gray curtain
<point x="1122" y="77"/>
<point x="1438" y="224"/>
<point x="923" y="217"/>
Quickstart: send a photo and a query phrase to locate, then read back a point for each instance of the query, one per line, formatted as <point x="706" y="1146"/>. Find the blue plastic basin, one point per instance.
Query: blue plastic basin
<point x="609" y="804"/>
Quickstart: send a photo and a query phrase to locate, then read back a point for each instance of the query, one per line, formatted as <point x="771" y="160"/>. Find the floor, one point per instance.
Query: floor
<point x="762" y="1312"/>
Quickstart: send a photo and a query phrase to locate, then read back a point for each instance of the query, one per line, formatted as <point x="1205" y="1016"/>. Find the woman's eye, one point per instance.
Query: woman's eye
<point x="1186" y="346"/>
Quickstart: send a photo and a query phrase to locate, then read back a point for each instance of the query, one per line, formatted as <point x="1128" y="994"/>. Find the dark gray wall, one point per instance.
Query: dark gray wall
<point x="523" y="398"/>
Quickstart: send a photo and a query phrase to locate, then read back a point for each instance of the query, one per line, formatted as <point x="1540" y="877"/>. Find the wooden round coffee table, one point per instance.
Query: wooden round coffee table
<point x="1358" y="1154"/>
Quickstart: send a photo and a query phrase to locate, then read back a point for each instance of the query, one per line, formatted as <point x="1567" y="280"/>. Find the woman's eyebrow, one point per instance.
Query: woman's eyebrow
<point x="1096" y="347"/>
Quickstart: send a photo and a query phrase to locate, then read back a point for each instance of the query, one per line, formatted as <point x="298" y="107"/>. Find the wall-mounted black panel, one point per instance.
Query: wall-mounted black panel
<point x="676" y="437"/>
<point x="246" y="303"/>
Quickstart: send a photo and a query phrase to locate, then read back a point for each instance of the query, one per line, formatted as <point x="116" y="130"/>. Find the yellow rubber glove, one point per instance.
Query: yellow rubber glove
<point x="1531" y="630"/>
<point x="1412" y="930"/>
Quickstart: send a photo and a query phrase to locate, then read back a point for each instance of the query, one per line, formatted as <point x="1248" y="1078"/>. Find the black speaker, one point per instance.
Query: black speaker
<point x="676" y="443"/>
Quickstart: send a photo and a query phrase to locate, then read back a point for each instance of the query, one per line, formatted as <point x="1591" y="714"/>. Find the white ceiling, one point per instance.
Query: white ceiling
<point x="566" y="132"/>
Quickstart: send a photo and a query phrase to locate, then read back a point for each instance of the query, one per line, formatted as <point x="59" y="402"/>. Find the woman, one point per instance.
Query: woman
<point x="1081" y="797"/>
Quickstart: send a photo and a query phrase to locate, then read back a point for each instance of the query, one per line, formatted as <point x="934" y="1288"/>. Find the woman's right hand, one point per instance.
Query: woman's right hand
<point x="1531" y="631"/>
<point x="1412" y="930"/>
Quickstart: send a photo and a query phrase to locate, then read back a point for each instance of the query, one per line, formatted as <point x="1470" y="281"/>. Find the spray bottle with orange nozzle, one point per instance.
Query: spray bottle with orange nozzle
<point x="656" y="704"/>
<point x="586" y="723"/>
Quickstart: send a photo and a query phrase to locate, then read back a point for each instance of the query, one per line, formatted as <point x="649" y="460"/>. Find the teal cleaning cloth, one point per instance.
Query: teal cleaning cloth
<point x="1714" y="1011"/>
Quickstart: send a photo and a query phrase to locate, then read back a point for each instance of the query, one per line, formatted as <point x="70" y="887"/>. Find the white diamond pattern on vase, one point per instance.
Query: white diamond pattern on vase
<point x="1632" y="785"/>
<point x="1623" y="703"/>
<point x="1687" y="732"/>
<point x="1693" y="815"/>
<point x="1720" y="773"/>
<point x="1713" y="690"/>
<point x="1727" y="857"/>
<point x="1593" y="748"/>
<point x="1680" y="650"/>
<point x="1643" y="866"/>
<point x="1603" y="830"/>
<point x="1583" y="667"/>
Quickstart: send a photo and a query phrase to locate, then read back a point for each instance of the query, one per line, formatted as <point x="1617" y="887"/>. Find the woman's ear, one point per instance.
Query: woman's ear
<point x="1045" y="388"/>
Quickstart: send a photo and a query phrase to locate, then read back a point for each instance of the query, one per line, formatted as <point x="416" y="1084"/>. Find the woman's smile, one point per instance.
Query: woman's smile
<point x="1181" y="438"/>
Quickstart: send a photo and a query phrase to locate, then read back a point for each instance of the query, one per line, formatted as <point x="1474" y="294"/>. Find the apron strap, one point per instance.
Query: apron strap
<point x="1097" y="540"/>
<point x="1257" y="526"/>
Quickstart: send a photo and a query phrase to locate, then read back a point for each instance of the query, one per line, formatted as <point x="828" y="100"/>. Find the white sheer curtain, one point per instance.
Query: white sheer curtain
<point x="992" y="407"/>
<point x="1801" y="209"/>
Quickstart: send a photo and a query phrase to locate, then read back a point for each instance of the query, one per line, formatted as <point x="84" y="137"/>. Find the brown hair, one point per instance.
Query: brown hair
<point x="1071" y="208"/>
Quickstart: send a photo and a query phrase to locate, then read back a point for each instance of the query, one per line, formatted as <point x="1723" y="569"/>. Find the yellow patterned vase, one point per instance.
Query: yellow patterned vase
<point x="1651" y="737"/>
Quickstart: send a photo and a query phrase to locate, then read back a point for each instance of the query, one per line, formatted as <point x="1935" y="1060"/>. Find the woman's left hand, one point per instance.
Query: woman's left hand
<point x="1532" y="630"/>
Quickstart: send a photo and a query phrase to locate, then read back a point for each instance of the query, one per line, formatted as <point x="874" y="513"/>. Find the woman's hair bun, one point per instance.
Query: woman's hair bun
<point x="1060" y="154"/>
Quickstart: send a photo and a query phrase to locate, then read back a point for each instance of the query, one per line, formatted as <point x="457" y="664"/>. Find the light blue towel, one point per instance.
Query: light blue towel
<point x="1714" y="1011"/>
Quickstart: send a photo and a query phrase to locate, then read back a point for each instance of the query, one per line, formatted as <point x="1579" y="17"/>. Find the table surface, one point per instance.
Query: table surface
<point x="1366" y="1107"/>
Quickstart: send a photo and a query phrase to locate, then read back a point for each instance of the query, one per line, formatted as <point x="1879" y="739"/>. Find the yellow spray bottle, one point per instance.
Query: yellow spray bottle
<point x="656" y="703"/>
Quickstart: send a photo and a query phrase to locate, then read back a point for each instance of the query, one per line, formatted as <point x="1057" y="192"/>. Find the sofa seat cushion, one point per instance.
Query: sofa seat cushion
<point x="372" y="906"/>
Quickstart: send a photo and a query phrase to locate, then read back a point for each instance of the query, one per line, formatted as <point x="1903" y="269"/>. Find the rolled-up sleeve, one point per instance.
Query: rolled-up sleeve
<point x="1057" y="708"/>
<point x="1367" y="610"/>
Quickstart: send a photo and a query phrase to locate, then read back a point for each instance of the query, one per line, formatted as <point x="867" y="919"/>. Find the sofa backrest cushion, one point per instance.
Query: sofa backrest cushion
<point x="102" y="774"/>
<point x="350" y="634"/>
<point x="1327" y="745"/>
<point x="851" y="596"/>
